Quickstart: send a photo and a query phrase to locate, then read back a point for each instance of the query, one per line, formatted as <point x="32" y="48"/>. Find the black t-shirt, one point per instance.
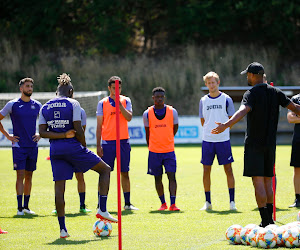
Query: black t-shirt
<point x="262" y="120"/>
<point x="296" y="135"/>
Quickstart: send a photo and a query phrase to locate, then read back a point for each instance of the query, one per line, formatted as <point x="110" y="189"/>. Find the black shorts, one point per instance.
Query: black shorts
<point x="259" y="161"/>
<point x="295" y="157"/>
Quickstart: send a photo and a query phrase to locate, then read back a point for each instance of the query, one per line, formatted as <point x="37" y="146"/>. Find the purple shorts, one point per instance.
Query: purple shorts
<point x="221" y="149"/>
<point x="80" y="160"/>
<point x="25" y="158"/>
<point x="109" y="155"/>
<point x="157" y="160"/>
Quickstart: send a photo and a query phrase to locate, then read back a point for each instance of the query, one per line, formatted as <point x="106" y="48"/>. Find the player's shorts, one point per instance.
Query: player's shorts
<point x="157" y="160"/>
<point x="80" y="160"/>
<point x="25" y="158"/>
<point x="259" y="160"/>
<point x="295" y="156"/>
<point x="109" y="155"/>
<point x="221" y="149"/>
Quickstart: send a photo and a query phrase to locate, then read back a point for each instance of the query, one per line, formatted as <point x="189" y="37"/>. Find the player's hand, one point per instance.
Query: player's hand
<point x="13" y="138"/>
<point x="99" y="151"/>
<point x="221" y="127"/>
<point x="36" y="137"/>
<point x="70" y="133"/>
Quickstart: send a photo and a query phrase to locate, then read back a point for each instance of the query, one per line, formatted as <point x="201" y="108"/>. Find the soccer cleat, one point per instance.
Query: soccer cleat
<point x="54" y="211"/>
<point x="84" y="210"/>
<point x="3" y="232"/>
<point x="295" y="204"/>
<point x="28" y="211"/>
<point x="163" y="207"/>
<point x="130" y="207"/>
<point x="207" y="206"/>
<point x="64" y="234"/>
<point x="174" y="208"/>
<point x="232" y="206"/>
<point x="20" y="212"/>
<point x="105" y="216"/>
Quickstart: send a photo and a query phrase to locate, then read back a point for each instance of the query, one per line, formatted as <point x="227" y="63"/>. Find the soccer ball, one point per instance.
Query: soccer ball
<point x="272" y="226"/>
<point x="244" y="233"/>
<point x="251" y="237"/>
<point x="280" y="231"/>
<point x="233" y="234"/>
<point x="102" y="228"/>
<point x="266" y="238"/>
<point x="291" y="237"/>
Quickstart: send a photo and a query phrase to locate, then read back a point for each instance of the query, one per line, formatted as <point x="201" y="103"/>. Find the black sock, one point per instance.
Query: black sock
<point x="297" y="197"/>
<point x="270" y="212"/>
<point x="264" y="216"/>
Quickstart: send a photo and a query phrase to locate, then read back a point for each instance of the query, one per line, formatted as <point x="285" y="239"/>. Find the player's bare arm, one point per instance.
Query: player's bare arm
<point x="79" y="132"/>
<point x="98" y="135"/>
<point x="294" y="107"/>
<point x="6" y="134"/>
<point x="36" y="137"/>
<point x="175" y="129"/>
<point x="243" y="110"/>
<point x="53" y="135"/>
<point x="293" y="118"/>
<point x="202" y="121"/>
<point x="147" y="135"/>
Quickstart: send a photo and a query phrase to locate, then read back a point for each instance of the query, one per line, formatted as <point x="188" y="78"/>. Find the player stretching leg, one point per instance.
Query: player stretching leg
<point x="161" y="125"/>
<point x="106" y="130"/>
<point x="216" y="106"/>
<point x="60" y="121"/>
<point x="261" y="105"/>
<point x="23" y="113"/>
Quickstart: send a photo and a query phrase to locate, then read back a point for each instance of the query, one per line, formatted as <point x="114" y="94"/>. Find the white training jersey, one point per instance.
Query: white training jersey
<point x="214" y="110"/>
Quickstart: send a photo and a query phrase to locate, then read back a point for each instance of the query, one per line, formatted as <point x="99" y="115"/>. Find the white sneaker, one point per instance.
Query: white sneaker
<point x="20" y="212"/>
<point x="64" y="234"/>
<point x="105" y="216"/>
<point x="130" y="207"/>
<point x="232" y="206"/>
<point x="207" y="206"/>
<point x="28" y="211"/>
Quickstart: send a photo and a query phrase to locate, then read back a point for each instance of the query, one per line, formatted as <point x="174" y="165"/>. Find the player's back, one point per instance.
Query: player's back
<point x="59" y="114"/>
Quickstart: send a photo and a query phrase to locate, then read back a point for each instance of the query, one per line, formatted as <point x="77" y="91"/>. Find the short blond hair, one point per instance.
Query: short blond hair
<point x="210" y="75"/>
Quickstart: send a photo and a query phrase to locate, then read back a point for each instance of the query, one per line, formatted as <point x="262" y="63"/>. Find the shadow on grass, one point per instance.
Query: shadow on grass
<point x="68" y="241"/>
<point x="165" y="212"/>
<point x="277" y="209"/>
<point x="223" y="212"/>
<point x="26" y="216"/>
<point x="124" y="212"/>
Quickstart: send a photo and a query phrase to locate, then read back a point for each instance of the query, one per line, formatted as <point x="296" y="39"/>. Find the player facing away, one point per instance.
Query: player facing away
<point x="106" y="131"/>
<point x="80" y="177"/>
<point x="261" y="105"/>
<point x="23" y="113"/>
<point x="60" y="121"/>
<point x="161" y="125"/>
<point x="216" y="106"/>
<point x="295" y="156"/>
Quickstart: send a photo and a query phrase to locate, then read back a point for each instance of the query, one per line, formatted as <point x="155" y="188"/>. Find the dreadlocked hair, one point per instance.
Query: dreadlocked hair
<point x="64" y="79"/>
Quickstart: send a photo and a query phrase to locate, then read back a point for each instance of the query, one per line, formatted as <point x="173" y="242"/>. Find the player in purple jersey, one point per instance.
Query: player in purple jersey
<point x="23" y="113"/>
<point x="60" y="121"/>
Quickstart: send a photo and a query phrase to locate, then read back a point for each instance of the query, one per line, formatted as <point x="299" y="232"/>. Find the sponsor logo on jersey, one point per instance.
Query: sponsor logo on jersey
<point x="56" y="105"/>
<point x="21" y="106"/>
<point x="160" y="126"/>
<point x="213" y="107"/>
<point x="32" y="106"/>
<point x="56" y="114"/>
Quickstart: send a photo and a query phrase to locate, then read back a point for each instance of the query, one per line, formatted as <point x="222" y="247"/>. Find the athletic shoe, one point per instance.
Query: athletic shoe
<point x="64" y="234"/>
<point x="207" y="206"/>
<point x="174" y="208"/>
<point x="295" y="204"/>
<point x="163" y="207"/>
<point x="20" y="212"/>
<point x="84" y="210"/>
<point x="28" y="211"/>
<point x="105" y="216"/>
<point x="54" y="211"/>
<point x="232" y="206"/>
<point x="130" y="207"/>
<point x="3" y="232"/>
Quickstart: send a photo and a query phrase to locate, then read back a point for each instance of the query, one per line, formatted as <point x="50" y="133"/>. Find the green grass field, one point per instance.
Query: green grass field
<point x="147" y="228"/>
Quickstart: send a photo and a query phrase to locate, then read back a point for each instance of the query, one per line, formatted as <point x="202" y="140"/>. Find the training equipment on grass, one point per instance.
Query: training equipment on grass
<point x="266" y="238"/>
<point x="291" y="237"/>
<point x="251" y="237"/>
<point x="233" y="234"/>
<point x="102" y="228"/>
<point x="298" y="216"/>
<point x="244" y="233"/>
<point x="280" y="231"/>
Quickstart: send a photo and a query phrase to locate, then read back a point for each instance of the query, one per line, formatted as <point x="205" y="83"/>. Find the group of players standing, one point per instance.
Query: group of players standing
<point x="62" y="119"/>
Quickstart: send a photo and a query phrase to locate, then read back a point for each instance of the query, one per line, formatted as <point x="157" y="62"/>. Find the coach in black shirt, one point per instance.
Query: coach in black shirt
<point x="261" y="103"/>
